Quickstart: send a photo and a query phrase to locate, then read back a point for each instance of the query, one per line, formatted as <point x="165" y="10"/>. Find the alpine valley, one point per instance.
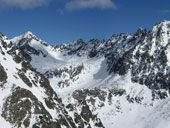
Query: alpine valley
<point x="123" y="82"/>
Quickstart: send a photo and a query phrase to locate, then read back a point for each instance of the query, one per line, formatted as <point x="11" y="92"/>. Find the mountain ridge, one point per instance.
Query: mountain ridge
<point x="123" y="81"/>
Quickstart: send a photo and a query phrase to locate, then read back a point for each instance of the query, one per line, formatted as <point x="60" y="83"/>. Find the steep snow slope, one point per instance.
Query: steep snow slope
<point x="124" y="81"/>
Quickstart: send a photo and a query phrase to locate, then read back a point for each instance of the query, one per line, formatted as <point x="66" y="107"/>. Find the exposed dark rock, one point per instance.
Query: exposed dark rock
<point x="3" y="75"/>
<point x="18" y="108"/>
<point x="25" y="79"/>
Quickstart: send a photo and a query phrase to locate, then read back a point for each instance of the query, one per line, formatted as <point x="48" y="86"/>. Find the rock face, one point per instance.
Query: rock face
<point x="3" y="75"/>
<point x="86" y="84"/>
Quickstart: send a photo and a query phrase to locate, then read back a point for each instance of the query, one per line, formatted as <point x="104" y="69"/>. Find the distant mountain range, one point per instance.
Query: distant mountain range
<point x="123" y="82"/>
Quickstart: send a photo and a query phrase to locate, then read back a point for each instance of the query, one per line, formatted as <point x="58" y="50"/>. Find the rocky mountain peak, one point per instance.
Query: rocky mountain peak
<point x="27" y="39"/>
<point x="76" y="43"/>
<point x="161" y="24"/>
<point x="140" y="31"/>
<point x="29" y="35"/>
<point x="162" y="27"/>
<point x="2" y="36"/>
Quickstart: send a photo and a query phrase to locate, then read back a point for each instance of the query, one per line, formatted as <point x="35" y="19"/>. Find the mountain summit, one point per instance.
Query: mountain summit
<point x="121" y="82"/>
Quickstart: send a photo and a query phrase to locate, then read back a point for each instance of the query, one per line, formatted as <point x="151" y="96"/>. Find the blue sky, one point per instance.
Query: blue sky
<point x="61" y="21"/>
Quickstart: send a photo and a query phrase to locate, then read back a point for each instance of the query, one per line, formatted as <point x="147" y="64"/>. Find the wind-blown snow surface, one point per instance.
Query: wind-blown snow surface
<point x="118" y="80"/>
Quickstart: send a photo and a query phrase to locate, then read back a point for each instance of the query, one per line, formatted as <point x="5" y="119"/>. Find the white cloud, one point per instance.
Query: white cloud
<point x="85" y="4"/>
<point x="165" y="11"/>
<point x="69" y="5"/>
<point x="23" y="4"/>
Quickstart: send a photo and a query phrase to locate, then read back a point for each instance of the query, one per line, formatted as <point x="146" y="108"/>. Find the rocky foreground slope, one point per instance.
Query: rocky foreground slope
<point x="118" y="83"/>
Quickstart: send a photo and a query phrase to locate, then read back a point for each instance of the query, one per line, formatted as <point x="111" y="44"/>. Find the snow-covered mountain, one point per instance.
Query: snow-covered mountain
<point x="118" y="83"/>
